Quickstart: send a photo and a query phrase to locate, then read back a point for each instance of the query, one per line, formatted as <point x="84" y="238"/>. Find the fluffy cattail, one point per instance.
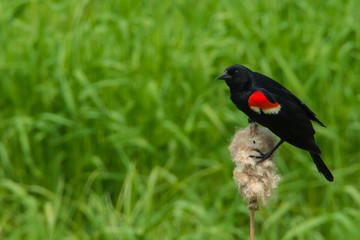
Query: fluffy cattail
<point x="256" y="182"/>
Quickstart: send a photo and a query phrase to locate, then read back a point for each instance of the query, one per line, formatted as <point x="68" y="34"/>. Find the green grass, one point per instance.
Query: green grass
<point x="113" y="127"/>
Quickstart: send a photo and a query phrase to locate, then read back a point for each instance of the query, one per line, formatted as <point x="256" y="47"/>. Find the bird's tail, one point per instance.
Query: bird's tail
<point x="322" y="167"/>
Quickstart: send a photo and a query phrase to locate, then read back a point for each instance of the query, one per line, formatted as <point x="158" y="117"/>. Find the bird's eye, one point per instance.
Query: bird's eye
<point x="236" y="71"/>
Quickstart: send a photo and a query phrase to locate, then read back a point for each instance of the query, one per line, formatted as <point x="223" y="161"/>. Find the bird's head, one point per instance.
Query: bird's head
<point x="235" y="75"/>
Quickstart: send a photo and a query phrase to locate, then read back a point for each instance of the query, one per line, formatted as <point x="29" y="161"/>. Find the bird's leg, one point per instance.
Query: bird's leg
<point x="265" y="156"/>
<point x="250" y="120"/>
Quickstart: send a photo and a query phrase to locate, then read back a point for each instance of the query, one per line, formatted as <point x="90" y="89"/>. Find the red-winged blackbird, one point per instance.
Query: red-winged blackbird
<point x="270" y="104"/>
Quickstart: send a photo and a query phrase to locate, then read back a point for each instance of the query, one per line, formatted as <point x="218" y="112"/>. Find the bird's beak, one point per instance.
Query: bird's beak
<point x="224" y="76"/>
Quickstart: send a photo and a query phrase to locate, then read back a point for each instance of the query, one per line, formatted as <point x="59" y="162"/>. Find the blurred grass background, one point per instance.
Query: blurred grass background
<point x="112" y="125"/>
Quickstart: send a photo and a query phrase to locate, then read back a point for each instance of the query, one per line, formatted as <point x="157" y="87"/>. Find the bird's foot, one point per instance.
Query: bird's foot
<point x="250" y="120"/>
<point x="262" y="156"/>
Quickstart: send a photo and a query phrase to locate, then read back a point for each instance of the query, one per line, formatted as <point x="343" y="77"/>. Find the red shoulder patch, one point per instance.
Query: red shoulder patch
<point x="257" y="102"/>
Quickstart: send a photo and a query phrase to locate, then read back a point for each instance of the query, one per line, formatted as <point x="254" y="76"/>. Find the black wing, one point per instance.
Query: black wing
<point x="275" y="87"/>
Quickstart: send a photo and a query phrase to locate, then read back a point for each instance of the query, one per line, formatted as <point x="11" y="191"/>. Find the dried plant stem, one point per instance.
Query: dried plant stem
<point x="255" y="182"/>
<point x="252" y="224"/>
<point x="253" y="206"/>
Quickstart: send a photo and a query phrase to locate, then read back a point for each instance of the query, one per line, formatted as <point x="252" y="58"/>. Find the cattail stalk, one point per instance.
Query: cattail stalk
<point x="256" y="182"/>
<point x="252" y="224"/>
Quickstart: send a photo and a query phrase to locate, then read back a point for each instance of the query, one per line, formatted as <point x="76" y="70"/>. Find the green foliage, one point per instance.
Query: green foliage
<point x="112" y="125"/>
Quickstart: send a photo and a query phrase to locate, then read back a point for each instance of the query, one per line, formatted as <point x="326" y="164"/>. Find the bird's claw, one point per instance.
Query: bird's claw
<point x="262" y="156"/>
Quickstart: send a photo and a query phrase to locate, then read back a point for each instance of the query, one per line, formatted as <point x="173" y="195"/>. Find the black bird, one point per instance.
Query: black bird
<point x="268" y="103"/>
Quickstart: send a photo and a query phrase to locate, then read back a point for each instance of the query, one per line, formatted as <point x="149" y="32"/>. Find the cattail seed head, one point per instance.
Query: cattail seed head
<point x="256" y="182"/>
